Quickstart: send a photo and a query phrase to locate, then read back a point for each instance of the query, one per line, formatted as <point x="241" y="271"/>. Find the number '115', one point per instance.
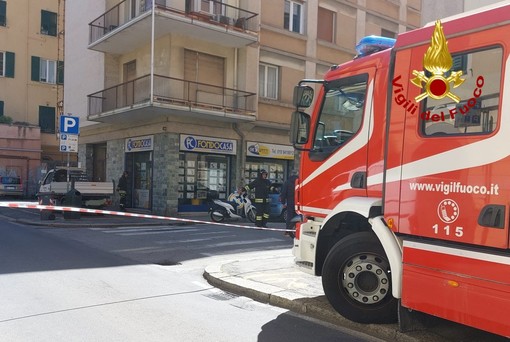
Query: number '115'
<point x="459" y="231"/>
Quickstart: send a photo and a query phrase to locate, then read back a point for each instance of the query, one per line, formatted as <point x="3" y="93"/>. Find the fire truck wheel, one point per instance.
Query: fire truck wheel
<point x="357" y="280"/>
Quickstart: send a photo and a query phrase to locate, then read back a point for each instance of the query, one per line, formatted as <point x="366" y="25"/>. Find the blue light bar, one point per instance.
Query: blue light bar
<point x="371" y="44"/>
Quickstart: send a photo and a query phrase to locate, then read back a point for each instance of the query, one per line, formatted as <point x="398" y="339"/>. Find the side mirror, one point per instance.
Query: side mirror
<point x="303" y="96"/>
<point x="299" y="128"/>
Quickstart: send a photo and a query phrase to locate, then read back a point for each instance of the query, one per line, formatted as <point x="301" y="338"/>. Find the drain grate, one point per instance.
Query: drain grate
<point x="222" y="296"/>
<point x="168" y="263"/>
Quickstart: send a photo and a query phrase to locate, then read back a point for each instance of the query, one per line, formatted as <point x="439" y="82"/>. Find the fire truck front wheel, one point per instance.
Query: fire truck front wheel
<point x="357" y="281"/>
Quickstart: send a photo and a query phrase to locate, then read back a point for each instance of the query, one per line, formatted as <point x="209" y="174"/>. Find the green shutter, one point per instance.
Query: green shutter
<point x="36" y="68"/>
<point x="3" y="13"/>
<point x="9" y="64"/>
<point x="60" y="72"/>
<point x="1" y="108"/>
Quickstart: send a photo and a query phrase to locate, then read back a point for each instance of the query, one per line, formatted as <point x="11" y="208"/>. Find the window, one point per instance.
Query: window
<point x="471" y="115"/>
<point x="293" y="17"/>
<point x="7" y="64"/>
<point x="268" y="81"/>
<point x="213" y="7"/>
<point x="341" y="114"/>
<point x="388" y="33"/>
<point x="3" y="13"/>
<point x="206" y="76"/>
<point x="47" y="71"/>
<point x="47" y="119"/>
<point x="2" y="108"/>
<point x="49" y="23"/>
<point x="326" y="25"/>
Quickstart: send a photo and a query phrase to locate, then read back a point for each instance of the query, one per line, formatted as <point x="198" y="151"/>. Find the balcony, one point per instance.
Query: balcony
<point x="128" y="25"/>
<point x="131" y="101"/>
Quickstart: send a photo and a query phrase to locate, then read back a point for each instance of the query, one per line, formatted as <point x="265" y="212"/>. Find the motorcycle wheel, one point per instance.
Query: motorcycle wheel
<point x="217" y="218"/>
<point x="252" y="215"/>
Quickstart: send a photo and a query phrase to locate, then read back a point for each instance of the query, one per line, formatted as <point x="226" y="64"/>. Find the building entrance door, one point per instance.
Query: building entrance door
<point x="141" y="164"/>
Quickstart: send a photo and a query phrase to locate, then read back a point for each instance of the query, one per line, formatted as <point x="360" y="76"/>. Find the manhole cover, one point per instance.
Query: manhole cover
<point x="168" y="263"/>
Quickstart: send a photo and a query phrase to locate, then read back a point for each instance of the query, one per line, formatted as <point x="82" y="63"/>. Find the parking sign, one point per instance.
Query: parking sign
<point x="69" y="124"/>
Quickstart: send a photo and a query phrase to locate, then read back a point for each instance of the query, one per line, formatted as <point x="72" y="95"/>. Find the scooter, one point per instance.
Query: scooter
<point x="220" y="210"/>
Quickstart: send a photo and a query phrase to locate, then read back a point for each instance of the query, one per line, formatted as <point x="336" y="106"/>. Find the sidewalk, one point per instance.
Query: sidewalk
<point x="274" y="279"/>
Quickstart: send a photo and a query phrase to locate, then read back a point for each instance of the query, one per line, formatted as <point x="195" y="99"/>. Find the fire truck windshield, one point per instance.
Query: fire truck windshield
<point x="341" y="113"/>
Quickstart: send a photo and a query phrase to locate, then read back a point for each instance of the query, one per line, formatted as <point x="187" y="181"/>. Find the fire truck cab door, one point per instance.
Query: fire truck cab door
<point x="455" y="159"/>
<point x="336" y="167"/>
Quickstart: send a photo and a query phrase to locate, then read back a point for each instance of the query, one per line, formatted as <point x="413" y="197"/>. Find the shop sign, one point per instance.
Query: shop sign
<point x="138" y="144"/>
<point x="195" y="143"/>
<point x="258" y="149"/>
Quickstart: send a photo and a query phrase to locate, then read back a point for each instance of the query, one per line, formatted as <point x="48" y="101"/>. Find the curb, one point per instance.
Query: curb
<point x="318" y="307"/>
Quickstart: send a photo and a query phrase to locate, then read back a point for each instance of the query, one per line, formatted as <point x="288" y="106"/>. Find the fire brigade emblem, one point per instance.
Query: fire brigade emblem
<point x="437" y="60"/>
<point x="448" y="210"/>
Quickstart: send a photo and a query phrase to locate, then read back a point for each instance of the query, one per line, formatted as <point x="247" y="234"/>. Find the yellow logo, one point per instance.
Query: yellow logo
<point x="437" y="60"/>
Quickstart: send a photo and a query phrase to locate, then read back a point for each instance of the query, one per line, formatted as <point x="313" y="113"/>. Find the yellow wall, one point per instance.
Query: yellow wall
<point x="22" y="97"/>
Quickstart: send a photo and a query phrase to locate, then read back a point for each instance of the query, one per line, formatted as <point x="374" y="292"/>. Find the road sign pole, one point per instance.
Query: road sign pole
<point x="68" y="178"/>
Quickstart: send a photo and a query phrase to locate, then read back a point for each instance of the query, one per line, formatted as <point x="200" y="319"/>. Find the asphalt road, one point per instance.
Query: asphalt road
<point x="137" y="284"/>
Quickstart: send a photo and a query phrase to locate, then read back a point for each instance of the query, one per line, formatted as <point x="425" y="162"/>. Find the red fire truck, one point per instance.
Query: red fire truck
<point x="404" y="184"/>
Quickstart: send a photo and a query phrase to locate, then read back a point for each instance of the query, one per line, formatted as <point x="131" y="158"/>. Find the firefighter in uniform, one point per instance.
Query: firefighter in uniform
<point x="262" y="187"/>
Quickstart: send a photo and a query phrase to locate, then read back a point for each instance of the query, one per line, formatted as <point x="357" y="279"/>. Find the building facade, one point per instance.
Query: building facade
<point x="193" y="96"/>
<point x="31" y="86"/>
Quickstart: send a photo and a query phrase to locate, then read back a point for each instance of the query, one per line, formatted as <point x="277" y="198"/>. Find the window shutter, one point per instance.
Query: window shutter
<point x="1" y="108"/>
<point x="325" y="25"/>
<point x="3" y="13"/>
<point x="60" y="72"/>
<point x="36" y="65"/>
<point x="9" y="64"/>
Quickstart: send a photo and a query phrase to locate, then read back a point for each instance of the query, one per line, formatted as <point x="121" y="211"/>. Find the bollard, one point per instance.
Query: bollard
<point x="73" y="198"/>
<point x="46" y="199"/>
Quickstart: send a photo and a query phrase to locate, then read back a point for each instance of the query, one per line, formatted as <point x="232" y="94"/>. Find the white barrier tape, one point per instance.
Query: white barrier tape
<point x="33" y="205"/>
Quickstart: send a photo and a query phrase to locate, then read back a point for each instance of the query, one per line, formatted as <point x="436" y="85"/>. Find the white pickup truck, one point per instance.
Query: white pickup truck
<point x="55" y="185"/>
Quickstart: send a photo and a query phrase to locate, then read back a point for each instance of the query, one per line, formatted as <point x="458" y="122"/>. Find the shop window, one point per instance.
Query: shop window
<point x="268" y="81"/>
<point x="326" y="25"/>
<point x="293" y="16"/>
<point x="47" y="119"/>
<point x="276" y="169"/>
<point x="199" y="176"/>
<point x="472" y="114"/>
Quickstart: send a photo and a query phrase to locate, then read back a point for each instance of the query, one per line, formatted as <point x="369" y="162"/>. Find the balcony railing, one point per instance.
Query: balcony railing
<point x="187" y="95"/>
<point x="211" y="11"/>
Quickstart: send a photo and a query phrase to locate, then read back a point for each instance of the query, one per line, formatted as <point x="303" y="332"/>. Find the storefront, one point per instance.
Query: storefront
<point x="277" y="160"/>
<point x="205" y="166"/>
<point x="139" y="161"/>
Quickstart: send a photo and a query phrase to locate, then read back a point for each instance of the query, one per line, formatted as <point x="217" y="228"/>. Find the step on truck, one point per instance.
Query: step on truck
<point x="404" y="185"/>
<point x="58" y="183"/>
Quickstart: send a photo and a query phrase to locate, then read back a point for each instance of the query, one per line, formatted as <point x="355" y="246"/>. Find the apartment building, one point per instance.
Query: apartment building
<point x="31" y="85"/>
<point x="194" y="96"/>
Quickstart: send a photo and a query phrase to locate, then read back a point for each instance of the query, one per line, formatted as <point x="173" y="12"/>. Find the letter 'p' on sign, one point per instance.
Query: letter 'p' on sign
<point x="69" y="124"/>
